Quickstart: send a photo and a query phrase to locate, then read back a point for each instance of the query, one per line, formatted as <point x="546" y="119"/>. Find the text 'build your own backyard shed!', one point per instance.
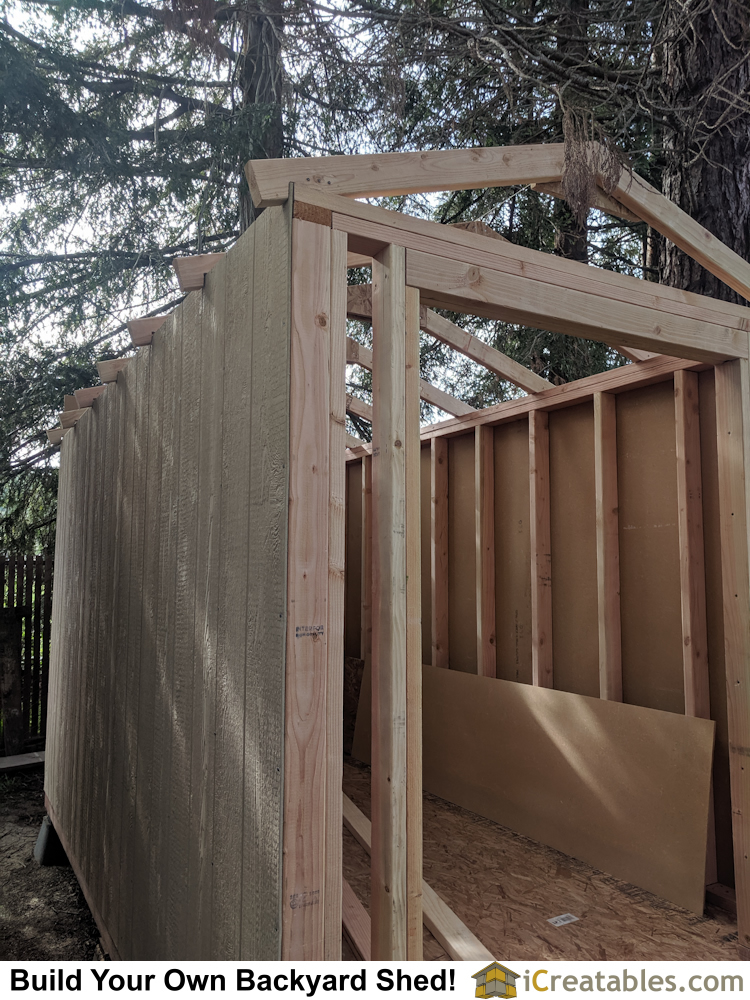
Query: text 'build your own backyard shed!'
<point x="577" y="558"/>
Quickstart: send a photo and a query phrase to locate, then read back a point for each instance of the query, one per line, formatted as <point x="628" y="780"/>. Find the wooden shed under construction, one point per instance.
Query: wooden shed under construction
<point x="550" y="596"/>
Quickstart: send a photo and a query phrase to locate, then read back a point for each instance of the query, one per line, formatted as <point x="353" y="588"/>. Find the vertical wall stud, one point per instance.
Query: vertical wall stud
<point x="336" y="569"/>
<point x="366" y="615"/>
<point x="413" y="635"/>
<point x="303" y="873"/>
<point x="389" y="752"/>
<point x="692" y="570"/>
<point x="607" y="547"/>
<point x="732" y="405"/>
<point x="541" y="556"/>
<point x="439" y="550"/>
<point x="484" y="510"/>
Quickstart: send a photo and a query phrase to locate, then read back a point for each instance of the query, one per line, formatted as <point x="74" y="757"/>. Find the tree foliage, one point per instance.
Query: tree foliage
<point x="124" y="127"/>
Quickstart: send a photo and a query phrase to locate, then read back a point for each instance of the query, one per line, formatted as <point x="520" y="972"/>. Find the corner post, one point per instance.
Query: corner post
<point x="389" y="612"/>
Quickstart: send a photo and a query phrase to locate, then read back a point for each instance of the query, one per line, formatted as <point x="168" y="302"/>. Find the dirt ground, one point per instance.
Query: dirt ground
<point x="43" y="915"/>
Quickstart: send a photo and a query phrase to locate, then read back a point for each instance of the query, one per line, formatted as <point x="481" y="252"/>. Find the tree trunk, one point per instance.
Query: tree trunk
<point x="261" y="79"/>
<point x="707" y="150"/>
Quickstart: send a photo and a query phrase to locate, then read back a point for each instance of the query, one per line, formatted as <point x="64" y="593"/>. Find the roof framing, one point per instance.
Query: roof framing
<point x="371" y="175"/>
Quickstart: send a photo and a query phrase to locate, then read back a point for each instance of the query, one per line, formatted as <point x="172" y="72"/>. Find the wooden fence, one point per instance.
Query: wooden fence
<point x="25" y="614"/>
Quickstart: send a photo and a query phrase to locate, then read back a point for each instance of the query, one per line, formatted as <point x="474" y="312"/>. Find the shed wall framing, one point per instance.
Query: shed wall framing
<point x="194" y="767"/>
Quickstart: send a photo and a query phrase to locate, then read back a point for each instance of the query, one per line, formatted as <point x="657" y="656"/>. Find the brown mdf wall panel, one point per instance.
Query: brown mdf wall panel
<point x="623" y="788"/>
<point x="512" y="552"/>
<point x="715" y="628"/>
<point x="426" y="513"/>
<point x="649" y="549"/>
<point x="462" y="613"/>
<point x="165" y="729"/>
<point x="575" y="639"/>
<point x="353" y="572"/>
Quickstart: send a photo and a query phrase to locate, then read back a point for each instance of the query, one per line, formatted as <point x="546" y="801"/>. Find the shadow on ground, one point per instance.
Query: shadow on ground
<point x="43" y="914"/>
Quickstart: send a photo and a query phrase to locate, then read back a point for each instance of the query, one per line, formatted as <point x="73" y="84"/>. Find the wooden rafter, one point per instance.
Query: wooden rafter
<point x="499" y="166"/>
<point x="191" y="271"/>
<point x="142" y="330"/>
<point x="109" y="370"/>
<point x="359" y="306"/>
<point x="358" y="354"/>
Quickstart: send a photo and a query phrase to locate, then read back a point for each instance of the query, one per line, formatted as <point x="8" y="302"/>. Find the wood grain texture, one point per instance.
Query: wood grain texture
<point x="412" y="481"/>
<point x="303" y="913"/>
<point x="358" y="354"/>
<point x="730" y="422"/>
<point x="480" y="290"/>
<point x="403" y="173"/>
<point x="484" y="524"/>
<point x="458" y="941"/>
<point x="607" y="547"/>
<point x="359" y="305"/>
<point x="692" y="563"/>
<point x="356" y="923"/>
<point x="170" y="630"/>
<point x="389" y="615"/>
<point x="366" y="613"/>
<point x="541" y="554"/>
<point x="439" y="552"/>
<point x="620" y="763"/>
<point x="335" y="625"/>
<point x="371" y="227"/>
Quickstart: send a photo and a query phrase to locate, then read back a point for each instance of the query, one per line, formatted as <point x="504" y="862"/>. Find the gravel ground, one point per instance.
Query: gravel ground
<point x="43" y="914"/>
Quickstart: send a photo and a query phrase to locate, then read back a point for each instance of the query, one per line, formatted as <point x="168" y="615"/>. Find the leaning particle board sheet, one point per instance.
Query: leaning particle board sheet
<point x="623" y="788"/>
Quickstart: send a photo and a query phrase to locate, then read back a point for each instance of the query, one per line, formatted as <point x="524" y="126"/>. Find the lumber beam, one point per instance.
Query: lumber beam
<point x="541" y="555"/>
<point x="109" y="370"/>
<point x="481" y="228"/>
<point x="356" y="923"/>
<point x="484" y="291"/>
<point x="634" y="355"/>
<point x="142" y="330"/>
<point x="69" y="402"/>
<point x="439" y="551"/>
<point x="358" y="354"/>
<point x="607" y="547"/>
<point x="669" y="219"/>
<point x="690" y="523"/>
<point x="371" y="175"/>
<point x="191" y="271"/>
<point x="389" y="616"/>
<point x="466" y="343"/>
<point x="359" y="408"/>
<point x="358" y="259"/>
<point x="336" y="596"/>
<point x="69" y="418"/>
<point x="366" y="613"/>
<point x="371" y="228"/>
<point x="732" y="424"/>
<point x="412" y="473"/>
<point x="484" y="523"/>
<point x="56" y="434"/>
<point x="600" y="200"/>
<point x="306" y="694"/>
<point x="451" y="932"/>
<point x="464" y="169"/>
<point x="352" y="441"/>
<point x="86" y="397"/>
<point x="360" y="307"/>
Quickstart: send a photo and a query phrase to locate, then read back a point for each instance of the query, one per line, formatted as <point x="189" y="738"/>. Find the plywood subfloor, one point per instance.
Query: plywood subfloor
<point x="505" y="887"/>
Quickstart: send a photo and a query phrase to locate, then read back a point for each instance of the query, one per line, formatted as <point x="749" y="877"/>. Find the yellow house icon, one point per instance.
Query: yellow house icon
<point x="495" y="981"/>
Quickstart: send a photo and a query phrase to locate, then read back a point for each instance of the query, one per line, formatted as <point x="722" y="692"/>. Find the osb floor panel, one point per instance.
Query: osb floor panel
<point x="506" y="887"/>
